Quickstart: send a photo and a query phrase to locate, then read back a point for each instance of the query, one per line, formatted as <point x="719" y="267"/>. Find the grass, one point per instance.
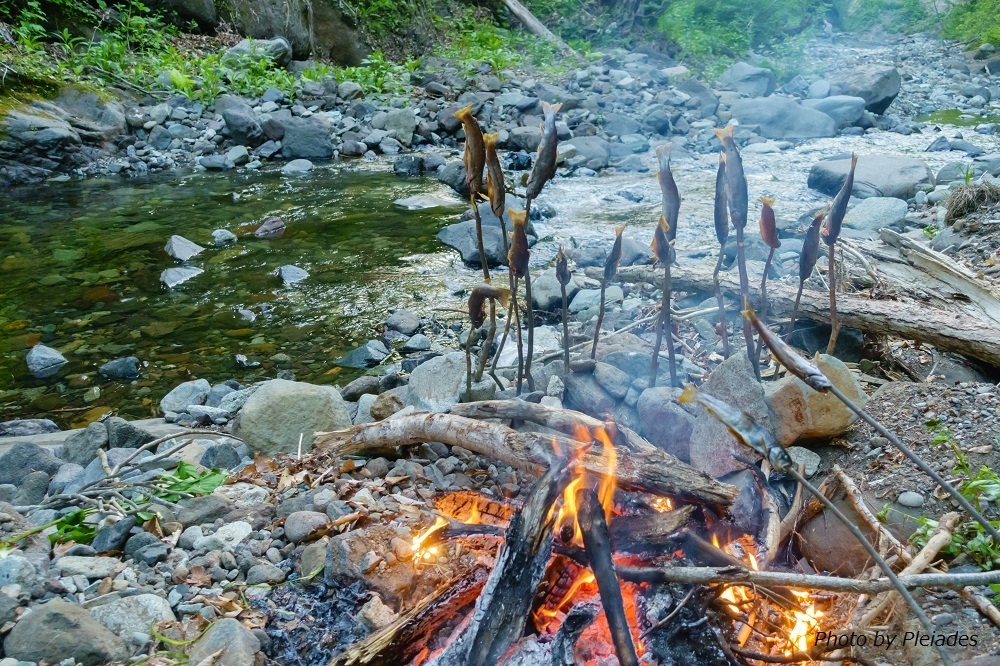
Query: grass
<point x="970" y="198"/>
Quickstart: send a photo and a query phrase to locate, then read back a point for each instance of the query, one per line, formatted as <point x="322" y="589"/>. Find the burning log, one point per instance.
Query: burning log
<point x="577" y="620"/>
<point x="408" y="636"/>
<point x="501" y="612"/>
<point x="597" y="542"/>
<point x="653" y="471"/>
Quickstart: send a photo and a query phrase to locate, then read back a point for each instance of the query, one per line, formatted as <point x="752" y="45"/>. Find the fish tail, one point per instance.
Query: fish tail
<point x="551" y="108"/>
<point x="619" y="229"/>
<point x="690" y="394"/>
<point x="490" y="140"/>
<point x="722" y="156"/>
<point x="503" y="296"/>
<point x="767" y="202"/>
<point x="748" y="311"/>
<point x="464" y="113"/>
<point x="663" y="152"/>
<point x="516" y="216"/>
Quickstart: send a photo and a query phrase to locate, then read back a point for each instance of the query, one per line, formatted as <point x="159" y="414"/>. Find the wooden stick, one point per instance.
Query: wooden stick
<point x="834" y="321"/>
<point x="721" y="302"/>
<point x="534" y="25"/>
<point x="600" y="318"/>
<point x="502" y="609"/>
<point x="780" y="579"/>
<point x="577" y="620"/>
<point x="401" y="641"/>
<point x="597" y="542"/>
<point x="653" y="471"/>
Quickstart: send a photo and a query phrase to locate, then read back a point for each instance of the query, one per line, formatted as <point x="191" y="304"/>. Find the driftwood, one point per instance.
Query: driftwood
<point x="501" y="612"/>
<point x="779" y="579"/>
<point x="534" y="25"/>
<point x="404" y="639"/>
<point x="597" y="541"/>
<point x="949" y="324"/>
<point x="653" y="471"/>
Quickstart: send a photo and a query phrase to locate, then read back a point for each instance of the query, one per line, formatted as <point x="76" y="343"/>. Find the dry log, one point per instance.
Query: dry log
<point x="534" y="25"/>
<point x="653" y="471"/>
<point x="597" y="542"/>
<point x="404" y="639"/>
<point x="501" y="612"/>
<point x="779" y="579"/>
<point x="948" y="328"/>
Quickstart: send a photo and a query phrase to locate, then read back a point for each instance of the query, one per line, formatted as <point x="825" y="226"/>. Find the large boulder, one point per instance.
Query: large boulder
<point x="192" y="392"/>
<point x="876" y="213"/>
<point x="664" y="422"/>
<point x="782" y="118"/>
<point x="59" y="630"/>
<point x="436" y="384"/>
<point x="875" y="176"/>
<point x="463" y="237"/>
<point x="24" y="458"/>
<point x="243" y="125"/>
<point x="403" y="122"/>
<point x="595" y="151"/>
<point x="878" y="85"/>
<point x="280" y="411"/>
<point x="318" y="28"/>
<point x="712" y="445"/>
<point x="202" y="12"/>
<point x="844" y="109"/>
<point x="802" y="413"/>
<point x="136" y="614"/>
<point x="276" y="49"/>
<point x="749" y="80"/>
<point x="226" y="643"/>
<point x="307" y="138"/>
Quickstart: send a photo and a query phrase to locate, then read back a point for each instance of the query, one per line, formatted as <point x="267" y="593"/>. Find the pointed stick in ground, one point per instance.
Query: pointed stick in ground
<point x="597" y="542"/>
<point x="563" y="276"/>
<point x="477" y="317"/>
<point x="807" y="262"/>
<point x="830" y="233"/>
<point x="816" y="380"/>
<point x="747" y="430"/>
<point x="664" y="239"/>
<point x="517" y="258"/>
<point x="769" y="232"/>
<point x="722" y="235"/>
<point x="739" y="203"/>
<point x="610" y="269"/>
<point x="495" y="189"/>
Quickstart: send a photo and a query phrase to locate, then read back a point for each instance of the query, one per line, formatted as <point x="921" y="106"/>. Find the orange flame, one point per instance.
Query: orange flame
<point x="428" y="553"/>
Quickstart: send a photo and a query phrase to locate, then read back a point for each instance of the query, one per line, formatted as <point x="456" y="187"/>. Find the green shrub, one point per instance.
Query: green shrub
<point x="975" y="22"/>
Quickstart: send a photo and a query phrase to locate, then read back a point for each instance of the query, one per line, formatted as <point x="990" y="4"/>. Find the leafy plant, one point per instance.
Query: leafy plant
<point x="73" y="527"/>
<point x="969" y="538"/>
<point x="190" y="480"/>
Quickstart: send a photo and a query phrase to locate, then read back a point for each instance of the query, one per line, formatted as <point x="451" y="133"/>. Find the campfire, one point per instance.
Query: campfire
<point x="569" y="575"/>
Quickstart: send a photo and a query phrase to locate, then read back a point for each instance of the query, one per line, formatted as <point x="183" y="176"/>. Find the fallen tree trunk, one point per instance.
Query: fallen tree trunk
<point x="955" y="330"/>
<point x="652" y="471"/>
<point x="534" y="25"/>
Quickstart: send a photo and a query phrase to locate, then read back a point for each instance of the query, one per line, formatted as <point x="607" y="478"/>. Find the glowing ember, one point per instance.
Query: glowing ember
<point x="662" y="505"/>
<point x="806" y="623"/>
<point x="430" y="552"/>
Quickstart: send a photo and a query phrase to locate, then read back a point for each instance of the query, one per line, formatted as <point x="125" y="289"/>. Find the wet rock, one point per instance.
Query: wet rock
<point x="404" y="321"/>
<point x="746" y="79"/>
<point x="298" y="166"/>
<point x="418" y="343"/>
<point x="227" y="537"/>
<point x="307" y="138"/>
<point x="876" y="213"/>
<point x="182" y="249"/>
<point x="177" y="275"/>
<point x="45" y="362"/>
<point x="291" y="275"/>
<point x="782" y="118"/>
<point x="114" y="536"/>
<point x="234" y="644"/>
<point x="359" y="387"/>
<point x="243" y="125"/>
<point x="876" y="176"/>
<point x="272" y="227"/>
<point x="81" y="447"/>
<point x="25" y="427"/>
<point x="664" y="422"/>
<point x="436" y="384"/>
<point x="301" y="524"/>
<point x="593" y="152"/>
<point x="878" y="85"/>
<point x="59" y="630"/>
<point x="124" y="435"/>
<point x="223" y="237"/>
<point x="844" y="109"/>
<point x="463" y="237"/>
<point x="125" y="369"/>
<point x="367" y="355"/>
<point x="280" y="410"/>
<point x="712" y="445"/>
<point x="136" y="614"/>
<point x="24" y="458"/>
<point x="192" y="392"/>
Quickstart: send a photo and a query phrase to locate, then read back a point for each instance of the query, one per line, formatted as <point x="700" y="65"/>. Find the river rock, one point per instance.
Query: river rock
<point x="181" y="248"/>
<point x="298" y="166"/>
<point x="25" y="427"/>
<point x="712" y="445"/>
<point x="243" y="125"/>
<point x="292" y="274"/>
<point x="875" y="176"/>
<point x="844" y="109"/>
<point x="59" y="630"/>
<point x="89" y="567"/>
<point x="307" y="138"/>
<point x="179" y="275"/>
<point x="586" y="299"/>
<point x="45" y="362"/>
<point x="32" y="489"/>
<point x="301" y="524"/>
<point x="585" y="394"/>
<point x="81" y="447"/>
<point x="192" y="392"/>
<point x="802" y="413"/>
<point x="593" y="152"/>
<point x="367" y="355"/>
<point x="124" y="435"/>
<point x="24" y="458"/>
<point x="130" y="615"/>
<point x="463" y="237"/>
<point x="230" y="642"/>
<point x="782" y="118"/>
<point x="227" y="537"/>
<point x="113" y="536"/>
<point x="17" y="570"/>
<point x="203" y="509"/>
<point x="280" y="410"/>
<point x="404" y="321"/>
<point x="746" y="79"/>
<point x="278" y="50"/>
<point x="403" y="122"/>
<point x="546" y="292"/>
<point x="664" y="422"/>
<point x="830" y="546"/>
<point x="125" y="369"/>
<point x="876" y="213"/>
<point x="435" y="385"/>
<point x="878" y="85"/>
